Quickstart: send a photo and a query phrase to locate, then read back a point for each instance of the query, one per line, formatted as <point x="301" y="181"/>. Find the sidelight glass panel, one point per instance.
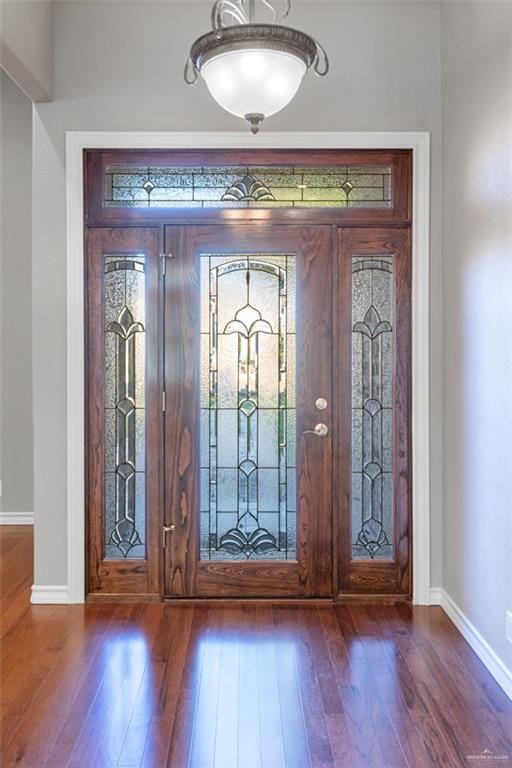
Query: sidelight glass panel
<point x="372" y="406"/>
<point x="124" y="420"/>
<point x="248" y="187"/>
<point x="247" y="407"/>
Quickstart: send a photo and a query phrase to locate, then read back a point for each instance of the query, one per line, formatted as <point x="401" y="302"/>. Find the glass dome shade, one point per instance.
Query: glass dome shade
<point x="253" y="80"/>
<point x="252" y="69"/>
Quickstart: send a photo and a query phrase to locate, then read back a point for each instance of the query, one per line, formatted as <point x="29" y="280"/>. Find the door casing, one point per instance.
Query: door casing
<point x="76" y="142"/>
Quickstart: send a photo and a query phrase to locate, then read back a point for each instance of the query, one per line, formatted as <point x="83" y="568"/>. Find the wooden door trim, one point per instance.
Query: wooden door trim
<point x="97" y="213"/>
<point x="299" y="602"/>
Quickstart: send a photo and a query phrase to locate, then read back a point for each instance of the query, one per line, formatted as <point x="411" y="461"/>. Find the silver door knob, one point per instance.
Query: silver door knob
<point x="322" y="430"/>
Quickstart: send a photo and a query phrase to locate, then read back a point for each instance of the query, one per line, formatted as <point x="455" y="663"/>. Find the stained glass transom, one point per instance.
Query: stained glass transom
<point x="372" y="406"/>
<point x="125" y="421"/>
<point x="248" y="407"/>
<point x="247" y="186"/>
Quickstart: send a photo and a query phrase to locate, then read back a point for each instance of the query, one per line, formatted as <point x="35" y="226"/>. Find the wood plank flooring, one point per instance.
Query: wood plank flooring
<point x="270" y="686"/>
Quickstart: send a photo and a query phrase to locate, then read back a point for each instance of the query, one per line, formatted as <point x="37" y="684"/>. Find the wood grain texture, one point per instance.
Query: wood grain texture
<point x="238" y="686"/>
<point x="311" y="574"/>
<point x="323" y="348"/>
<point x="121" y="576"/>
<point x="373" y="577"/>
<point x="97" y="214"/>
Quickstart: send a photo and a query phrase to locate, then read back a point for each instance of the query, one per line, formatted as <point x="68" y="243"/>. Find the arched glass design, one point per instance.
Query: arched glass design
<point x="372" y="406"/>
<point x="125" y="421"/>
<point x="248" y="407"/>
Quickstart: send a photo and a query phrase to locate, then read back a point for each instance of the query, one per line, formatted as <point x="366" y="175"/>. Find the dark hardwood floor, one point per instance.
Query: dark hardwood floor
<point x="265" y="686"/>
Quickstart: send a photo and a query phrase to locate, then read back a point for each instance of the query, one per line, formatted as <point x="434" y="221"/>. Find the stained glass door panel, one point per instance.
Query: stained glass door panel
<point x="123" y="411"/>
<point x="248" y="350"/>
<point x="374" y="368"/>
<point x="247" y="407"/>
<point x="373" y="331"/>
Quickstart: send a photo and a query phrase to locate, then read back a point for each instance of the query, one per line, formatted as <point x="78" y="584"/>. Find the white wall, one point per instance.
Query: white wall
<point x="120" y="68"/>
<point x="477" y="248"/>
<point x="26" y="45"/>
<point x="16" y="466"/>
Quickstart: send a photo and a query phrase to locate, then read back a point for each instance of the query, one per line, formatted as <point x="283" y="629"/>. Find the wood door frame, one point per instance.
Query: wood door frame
<point x="76" y="142"/>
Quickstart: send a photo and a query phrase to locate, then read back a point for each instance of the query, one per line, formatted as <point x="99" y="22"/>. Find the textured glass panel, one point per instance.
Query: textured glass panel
<point x="248" y="187"/>
<point x="227" y="425"/>
<point x="227" y="489"/>
<point x="269" y="362"/>
<point x="291" y="434"/>
<point x="290" y="361"/>
<point x="247" y="416"/>
<point x="372" y="405"/>
<point x="125" y="421"/>
<point x="268" y="490"/>
<point x="270" y="522"/>
<point x="268" y="437"/>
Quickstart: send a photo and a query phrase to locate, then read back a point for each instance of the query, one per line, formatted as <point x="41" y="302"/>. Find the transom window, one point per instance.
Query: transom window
<point x="248" y="187"/>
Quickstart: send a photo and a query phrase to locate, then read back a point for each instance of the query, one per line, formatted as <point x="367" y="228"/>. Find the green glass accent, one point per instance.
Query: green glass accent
<point x="248" y="187"/>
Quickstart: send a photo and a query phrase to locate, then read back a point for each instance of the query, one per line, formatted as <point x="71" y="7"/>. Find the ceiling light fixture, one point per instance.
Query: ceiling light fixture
<point x="253" y="69"/>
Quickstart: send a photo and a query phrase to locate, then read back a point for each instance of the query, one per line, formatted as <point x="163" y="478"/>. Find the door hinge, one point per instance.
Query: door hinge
<point x="164" y="401"/>
<point x="163" y="258"/>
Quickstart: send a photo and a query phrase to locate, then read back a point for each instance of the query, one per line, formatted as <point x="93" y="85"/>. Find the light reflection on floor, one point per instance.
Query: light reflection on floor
<point x="242" y="699"/>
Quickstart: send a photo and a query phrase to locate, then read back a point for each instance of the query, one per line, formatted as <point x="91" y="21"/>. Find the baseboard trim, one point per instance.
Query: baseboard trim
<point x="50" y="595"/>
<point x="436" y="596"/>
<point x="16" y="518"/>
<point x="496" y="666"/>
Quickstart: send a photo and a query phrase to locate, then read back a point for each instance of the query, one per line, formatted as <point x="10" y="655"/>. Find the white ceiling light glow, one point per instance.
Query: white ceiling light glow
<point x="253" y="69"/>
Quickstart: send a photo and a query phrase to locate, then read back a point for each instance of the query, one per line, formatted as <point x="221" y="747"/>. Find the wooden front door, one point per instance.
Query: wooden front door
<point x="248" y="379"/>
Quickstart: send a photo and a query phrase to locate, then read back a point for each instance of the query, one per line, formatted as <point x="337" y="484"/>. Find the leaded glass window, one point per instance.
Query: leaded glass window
<point x="248" y="187"/>
<point x="125" y="441"/>
<point x="372" y="406"/>
<point x="248" y="407"/>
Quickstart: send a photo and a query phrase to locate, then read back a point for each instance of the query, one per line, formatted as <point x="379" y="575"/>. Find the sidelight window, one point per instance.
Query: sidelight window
<point x="125" y="441"/>
<point x="372" y="406"/>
